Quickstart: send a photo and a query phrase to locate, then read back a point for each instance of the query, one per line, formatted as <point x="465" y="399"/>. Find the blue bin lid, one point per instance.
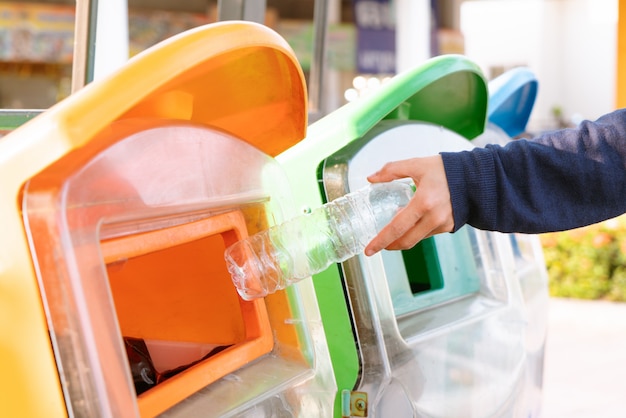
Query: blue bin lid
<point x="511" y="99"/>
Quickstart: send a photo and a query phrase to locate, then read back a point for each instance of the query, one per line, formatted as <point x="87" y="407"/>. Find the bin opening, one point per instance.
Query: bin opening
<point x="422" y="267"/>
<point x="127" y="238"/>
<point x="437" y="270"/>
<point x="182" y="321"/>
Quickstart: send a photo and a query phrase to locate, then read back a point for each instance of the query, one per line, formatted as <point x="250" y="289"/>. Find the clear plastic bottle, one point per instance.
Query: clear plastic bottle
<point x="286" y="253"/>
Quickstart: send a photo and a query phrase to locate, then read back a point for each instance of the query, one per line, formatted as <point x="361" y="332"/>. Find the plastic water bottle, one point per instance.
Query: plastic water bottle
<point x="296" y="249"/>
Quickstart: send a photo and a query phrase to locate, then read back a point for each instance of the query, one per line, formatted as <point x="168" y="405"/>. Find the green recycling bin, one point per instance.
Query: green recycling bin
<point x="438" y="330"/>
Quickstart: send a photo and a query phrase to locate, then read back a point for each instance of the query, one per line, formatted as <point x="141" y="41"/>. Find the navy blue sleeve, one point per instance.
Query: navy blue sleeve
<point x="560" y="180"/>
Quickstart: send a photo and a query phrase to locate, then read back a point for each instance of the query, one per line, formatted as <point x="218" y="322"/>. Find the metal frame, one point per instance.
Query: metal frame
<point x="316" y="72"/>
<point x="85" y="44"/>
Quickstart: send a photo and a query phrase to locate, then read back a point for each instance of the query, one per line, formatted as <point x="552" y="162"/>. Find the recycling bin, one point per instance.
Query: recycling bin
<point x="438" y="330"/>
<point x="512" y="96"/>
<point x="117" y="206"/>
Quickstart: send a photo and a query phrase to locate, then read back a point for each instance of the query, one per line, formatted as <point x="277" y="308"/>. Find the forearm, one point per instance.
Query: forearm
<point x="560" y="180"/>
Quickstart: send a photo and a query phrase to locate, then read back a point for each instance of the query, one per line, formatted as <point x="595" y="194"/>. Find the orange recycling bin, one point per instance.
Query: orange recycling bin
<point x="117" y="206"/>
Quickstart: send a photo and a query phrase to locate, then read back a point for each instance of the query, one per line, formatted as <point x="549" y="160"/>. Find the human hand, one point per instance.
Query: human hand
<point x="428" y="213"/>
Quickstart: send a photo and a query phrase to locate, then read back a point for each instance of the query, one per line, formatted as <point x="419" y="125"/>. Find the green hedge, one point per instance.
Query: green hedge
<point x="589" y="262"/>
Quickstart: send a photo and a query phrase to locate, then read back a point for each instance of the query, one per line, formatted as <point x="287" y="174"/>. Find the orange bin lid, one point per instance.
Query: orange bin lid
<point x="240" y="77"/>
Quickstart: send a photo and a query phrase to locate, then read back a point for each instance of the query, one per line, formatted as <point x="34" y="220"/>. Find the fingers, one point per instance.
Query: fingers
<point x="393" y="171"/>
<point x="417" y="234"/>
<point x="405" y="220"/>
<point x="429" y="212"/>
<point x="406" y="230"/>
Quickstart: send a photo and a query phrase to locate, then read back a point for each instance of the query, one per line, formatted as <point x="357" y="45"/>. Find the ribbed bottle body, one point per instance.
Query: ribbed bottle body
<point x="298" y="248"/>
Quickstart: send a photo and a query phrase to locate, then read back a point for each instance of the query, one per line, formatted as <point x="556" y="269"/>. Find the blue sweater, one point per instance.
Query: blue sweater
<point x="560" y="180"/>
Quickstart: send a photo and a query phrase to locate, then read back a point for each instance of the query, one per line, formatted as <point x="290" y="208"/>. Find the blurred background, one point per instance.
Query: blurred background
<point x="571" y="45"/>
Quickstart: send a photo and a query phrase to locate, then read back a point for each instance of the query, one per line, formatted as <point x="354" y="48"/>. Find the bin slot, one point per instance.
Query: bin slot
<point x="422" y="265"/>
<point x="181" y="318"/>
<point x="435" y="271"/>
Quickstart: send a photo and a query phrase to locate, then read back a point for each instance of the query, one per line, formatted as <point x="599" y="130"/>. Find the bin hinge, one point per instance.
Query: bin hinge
<point x="353" y="404"/>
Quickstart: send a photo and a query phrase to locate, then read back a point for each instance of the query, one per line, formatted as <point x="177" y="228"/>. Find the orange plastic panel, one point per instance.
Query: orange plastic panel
<point x="172" y="284"/>
<point x="237" y="76"/>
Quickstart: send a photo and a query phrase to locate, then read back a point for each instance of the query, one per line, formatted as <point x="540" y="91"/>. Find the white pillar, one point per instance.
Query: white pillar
<point x="413" y="21"/>
<point x="111" y="50"/>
